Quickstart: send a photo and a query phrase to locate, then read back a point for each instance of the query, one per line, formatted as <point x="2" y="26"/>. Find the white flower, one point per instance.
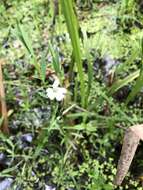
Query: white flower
<point x="47" y="187"/>
<point x="56" y="92"/>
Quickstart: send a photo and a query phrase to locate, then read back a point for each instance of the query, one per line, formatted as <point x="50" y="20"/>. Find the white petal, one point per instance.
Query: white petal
<point x="60" y="90"/>
<point x="56" y="83"/>
<point x="60" y="97"/>
<point x="50" y="93"/>
<point x="63" y="90"/>
<point x="60" y="93"/>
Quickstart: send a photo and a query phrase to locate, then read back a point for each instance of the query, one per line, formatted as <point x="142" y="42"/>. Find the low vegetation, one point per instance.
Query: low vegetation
<point x="73" y="75"/>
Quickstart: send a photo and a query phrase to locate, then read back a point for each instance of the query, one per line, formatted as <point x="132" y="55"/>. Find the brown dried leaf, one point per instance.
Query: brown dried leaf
<point x="130" y="143"/>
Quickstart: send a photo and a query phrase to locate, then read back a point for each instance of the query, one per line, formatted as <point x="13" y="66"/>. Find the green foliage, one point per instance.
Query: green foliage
<point x="121" y="83"/>
<point x="56" y="62"/>
<point x="128" y="6"/>
<point x="136" y="88"/>
<point x="70" y="147"/>
<point x="72" y="25"/>
<point x="25" y="39"/>
<point x="139" y="82"/>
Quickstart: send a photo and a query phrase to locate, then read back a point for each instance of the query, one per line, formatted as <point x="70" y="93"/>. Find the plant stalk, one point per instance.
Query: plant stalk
<point x="3" y="109"/>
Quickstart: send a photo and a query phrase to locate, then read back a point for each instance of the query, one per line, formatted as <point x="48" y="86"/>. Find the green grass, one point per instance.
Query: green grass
<point x="73" y="28"/>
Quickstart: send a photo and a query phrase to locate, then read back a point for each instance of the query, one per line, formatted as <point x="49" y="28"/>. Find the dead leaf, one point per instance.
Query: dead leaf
<point x="130" y="143"/>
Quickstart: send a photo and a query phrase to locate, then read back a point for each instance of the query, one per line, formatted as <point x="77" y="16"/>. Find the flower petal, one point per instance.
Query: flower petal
<point x="60" y="93"/>
<point x="60" y="90"/>
<point x="63" y="90"/>
<point x="56" y="83"/>
<point x="60" y="97"/>
<point x="50" y="93"/>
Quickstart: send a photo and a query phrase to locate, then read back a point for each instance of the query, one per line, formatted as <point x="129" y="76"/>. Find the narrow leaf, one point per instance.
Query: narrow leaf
<point x="121" y="83"/>
<point x="25" y="39"/>
<point x="136" y="88"/>
<point x="72" y="26"/>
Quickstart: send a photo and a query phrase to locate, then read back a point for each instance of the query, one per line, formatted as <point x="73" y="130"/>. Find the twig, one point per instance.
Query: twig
<point x="3" y="109"/>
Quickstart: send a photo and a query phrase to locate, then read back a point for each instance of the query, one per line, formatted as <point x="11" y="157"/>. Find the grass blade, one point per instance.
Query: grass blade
<point x="139" y="82"/>
<point x="72" y="26"/>
<point x="43" y="67"/>
<point x="25" y="39"/>
<point x="121" y="83"/>
<point x="136" y="88"/>
<point x="56" y="61"/>
<point x="87" y="45"/>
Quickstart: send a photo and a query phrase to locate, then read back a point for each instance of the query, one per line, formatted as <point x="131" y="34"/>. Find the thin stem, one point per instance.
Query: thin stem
<point x="3" y="109"/>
